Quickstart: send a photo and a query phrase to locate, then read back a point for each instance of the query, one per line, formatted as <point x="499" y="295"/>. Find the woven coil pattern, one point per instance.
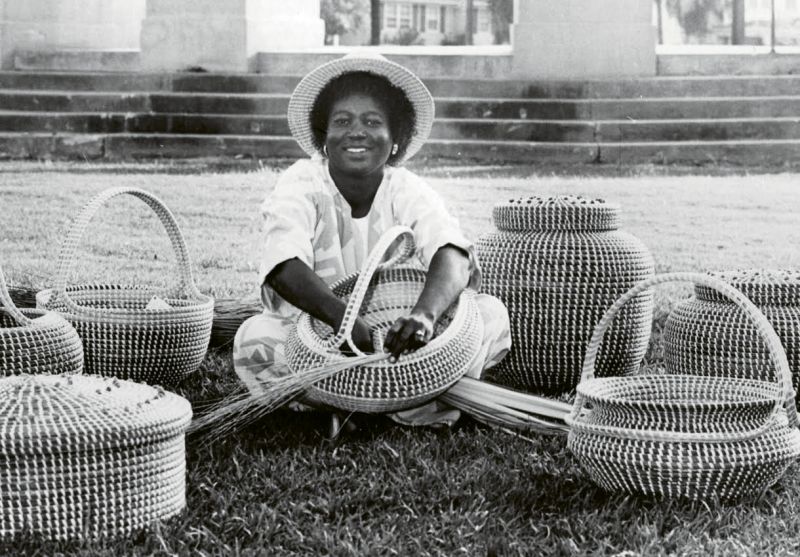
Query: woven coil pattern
<point x="709" y="335"/>
<point x="121" y="336"/>
<point x="381" y="294"/>
<point x="557" y="263"/>
<point x="87" y="457"/>
<point x="34" y="341"/>
<point x="681" y="435"/>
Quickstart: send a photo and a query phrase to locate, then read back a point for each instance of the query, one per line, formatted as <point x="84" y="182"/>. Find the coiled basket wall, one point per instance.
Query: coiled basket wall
<point x="688" y="436"/>
<point x="124" y="334"/>
<point x="380" y="294"/>
<point x="557" y="263"/>
<point x="34" y="341"/>
<point x="709" y="335"/>
<point x="87" y="457"/>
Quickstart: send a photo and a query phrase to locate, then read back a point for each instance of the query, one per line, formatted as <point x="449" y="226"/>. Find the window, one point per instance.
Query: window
<point x="482" y="22"/>
<point x="391" y="16"/>
<point x="419" y="17"/>
<point x="433" y="20"/>
<point x="405" y="15"/>
<point x="442" y="13"/>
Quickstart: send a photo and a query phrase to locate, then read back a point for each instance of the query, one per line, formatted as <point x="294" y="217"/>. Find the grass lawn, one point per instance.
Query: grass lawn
<point x="281" y="487"/>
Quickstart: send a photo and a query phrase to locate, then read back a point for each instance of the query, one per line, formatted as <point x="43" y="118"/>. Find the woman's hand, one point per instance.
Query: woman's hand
<point x="362" y="337"/>
<point x="408" y="333"/>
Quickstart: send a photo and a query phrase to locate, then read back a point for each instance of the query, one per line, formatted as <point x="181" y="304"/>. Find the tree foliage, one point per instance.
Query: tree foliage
<point x="694" y="15"/>
<point x="341" y="16"/>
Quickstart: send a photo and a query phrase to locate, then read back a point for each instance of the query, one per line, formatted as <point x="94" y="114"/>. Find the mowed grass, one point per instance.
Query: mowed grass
<point x="282" y="487"/>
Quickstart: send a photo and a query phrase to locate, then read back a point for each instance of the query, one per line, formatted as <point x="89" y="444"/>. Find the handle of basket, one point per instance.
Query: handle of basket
<point x="373" y="263"/>
<point x="785" y="401"/>
<point x="79" y="225"/>
<point x="7" y="303"/>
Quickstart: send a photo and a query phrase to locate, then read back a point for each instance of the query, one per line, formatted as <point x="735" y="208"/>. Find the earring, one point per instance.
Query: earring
<point x="325" y="150"/>
<point x="395" y="147"/>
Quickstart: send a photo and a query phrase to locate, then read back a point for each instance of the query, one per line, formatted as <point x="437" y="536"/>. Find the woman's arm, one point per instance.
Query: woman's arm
<point x="448" y="275"/>
<point x="296" y="283"/>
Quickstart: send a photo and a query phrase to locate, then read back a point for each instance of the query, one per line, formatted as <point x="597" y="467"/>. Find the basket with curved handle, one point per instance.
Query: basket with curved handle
<point x="371" y="266"/>
<point x="78" y="228"/>
<point x="784" y="402"/>
<point x="8" y="304"/>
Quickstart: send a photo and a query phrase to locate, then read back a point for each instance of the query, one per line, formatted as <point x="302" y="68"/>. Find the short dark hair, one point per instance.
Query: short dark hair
<point x="399" y="110"/>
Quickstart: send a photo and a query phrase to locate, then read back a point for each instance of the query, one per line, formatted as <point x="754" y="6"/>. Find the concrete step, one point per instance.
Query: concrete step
<point x="655" y="87"/>
<point x="446" y="107"/>
<point x="138" y="146"/>
<point x="455" y="129"/>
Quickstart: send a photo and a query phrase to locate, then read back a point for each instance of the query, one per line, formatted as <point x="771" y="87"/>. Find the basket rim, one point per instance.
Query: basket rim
<point x="586" y="389"/>
<point x="44" y="298"/>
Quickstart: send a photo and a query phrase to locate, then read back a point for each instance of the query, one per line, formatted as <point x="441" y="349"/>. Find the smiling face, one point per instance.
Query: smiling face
<point x="358" y="139"/>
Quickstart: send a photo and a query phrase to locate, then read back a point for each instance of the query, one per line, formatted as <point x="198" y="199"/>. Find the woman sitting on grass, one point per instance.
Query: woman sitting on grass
<point x="358" y="117"/>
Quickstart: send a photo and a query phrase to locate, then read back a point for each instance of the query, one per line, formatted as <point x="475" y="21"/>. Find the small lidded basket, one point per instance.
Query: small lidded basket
<point x="709" y="335"/>
<point x="33" y="341"/>
<point x="557" y="263"/>
<point x="88" y="457"/>
<point x="689" y="436"/>
<point x="380" y="294"/>
<point x="136" y="332"/>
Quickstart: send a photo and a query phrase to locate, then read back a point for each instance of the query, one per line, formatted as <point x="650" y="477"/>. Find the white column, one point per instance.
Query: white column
<point x="583" y="39"/>
<point x="223" y="35"/>
<point x="68" y="24"/>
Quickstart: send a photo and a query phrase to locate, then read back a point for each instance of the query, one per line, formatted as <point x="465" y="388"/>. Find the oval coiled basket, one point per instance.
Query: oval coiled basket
<point x="34" y="341"/>
<point x="85" y="457"/>
<point x="123" y="334"/>
<point x="380" y="294"/>
<point x="557" y="263"/>
<point x="709" y="335"/>
<point x="683" y="435"/>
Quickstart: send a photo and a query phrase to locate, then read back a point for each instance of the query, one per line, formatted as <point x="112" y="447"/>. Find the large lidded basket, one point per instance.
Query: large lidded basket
<point x="709" y="335"/>
<point x="557" y="263"/>
<point x="697" y="437"/>
<point x="135" y="332"/>
<point x="33" y="341"/>
<point x="87" y="457"/>
<point x="380" y="294"/>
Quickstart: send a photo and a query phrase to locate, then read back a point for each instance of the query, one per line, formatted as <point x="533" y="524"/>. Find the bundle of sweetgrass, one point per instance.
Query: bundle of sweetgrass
<point x="229" y="314"/>
<point x="241" y="409"/>
<point x="504" y="407"/>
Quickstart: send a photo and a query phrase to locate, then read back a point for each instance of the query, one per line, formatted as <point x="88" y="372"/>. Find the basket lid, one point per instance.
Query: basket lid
<point x="49" y="414"/>
<point x="562" y="212"/>
<point x="764" y="287"/>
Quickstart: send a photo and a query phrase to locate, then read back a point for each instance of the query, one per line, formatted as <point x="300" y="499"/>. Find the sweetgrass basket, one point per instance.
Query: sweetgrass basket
<point x="87" y="457"/>
<point x="709" y="335"/>
<point x="122" y="336"/>
<point x="557" y="263"/>
<point x="682" y="435"/>
<point x="34" y="341"/>
<point x="379" y="294"/>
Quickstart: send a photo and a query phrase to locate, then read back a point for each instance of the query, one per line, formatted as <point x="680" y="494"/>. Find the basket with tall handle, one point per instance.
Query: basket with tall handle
<point x="684" y="435"/>
<point x="379" y="294"/>
<point x="33" y="341"/>
<point x="123" y="334"/>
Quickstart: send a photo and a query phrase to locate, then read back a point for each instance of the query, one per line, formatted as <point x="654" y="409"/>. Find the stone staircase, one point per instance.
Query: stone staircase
<point x="749" y="120"/>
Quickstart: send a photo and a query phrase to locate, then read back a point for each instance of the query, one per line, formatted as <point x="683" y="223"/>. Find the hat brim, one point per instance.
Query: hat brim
<point x="306" y="92"/>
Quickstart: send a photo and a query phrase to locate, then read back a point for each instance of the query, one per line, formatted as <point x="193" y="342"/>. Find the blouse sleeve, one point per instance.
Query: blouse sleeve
<point x="419" y="207"/>
<point x="290" y="214"/>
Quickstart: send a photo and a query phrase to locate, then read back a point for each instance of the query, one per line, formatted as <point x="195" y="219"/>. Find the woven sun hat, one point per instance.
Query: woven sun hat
<point x="307" y="91"/>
